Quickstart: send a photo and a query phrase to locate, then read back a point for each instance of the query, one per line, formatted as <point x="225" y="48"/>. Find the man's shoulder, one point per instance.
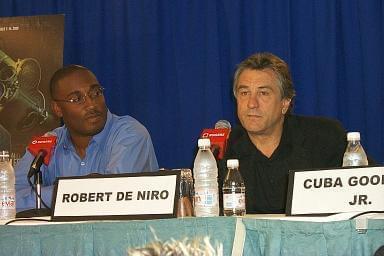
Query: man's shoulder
<point x="59" y="132"/>
<point x="317" y="128"/>
<point x="237" y="132"/>
<point x="127" y="126"/>
<point x="315" y="123"/>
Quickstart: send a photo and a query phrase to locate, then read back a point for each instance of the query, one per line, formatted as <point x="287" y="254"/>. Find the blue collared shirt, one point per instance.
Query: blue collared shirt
<point x="123" y="146"/>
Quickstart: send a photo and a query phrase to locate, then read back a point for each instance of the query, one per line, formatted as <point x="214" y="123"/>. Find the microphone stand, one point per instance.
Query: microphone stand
<point x="38" y="211"/>
<point x="37" y="180"/>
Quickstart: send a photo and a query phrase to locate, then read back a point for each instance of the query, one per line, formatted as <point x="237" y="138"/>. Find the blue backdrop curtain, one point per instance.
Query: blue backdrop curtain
<point x="169" y="64"/>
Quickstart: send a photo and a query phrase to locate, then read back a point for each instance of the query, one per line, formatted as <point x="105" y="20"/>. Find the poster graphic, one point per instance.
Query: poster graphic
<point x="31" y="50"/>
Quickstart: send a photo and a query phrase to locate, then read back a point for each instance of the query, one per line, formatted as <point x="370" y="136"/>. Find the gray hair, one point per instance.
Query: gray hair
<point x="265" y="60"/>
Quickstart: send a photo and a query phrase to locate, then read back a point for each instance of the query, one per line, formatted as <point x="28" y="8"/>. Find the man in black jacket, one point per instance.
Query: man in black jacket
<point x="271" y="141"/>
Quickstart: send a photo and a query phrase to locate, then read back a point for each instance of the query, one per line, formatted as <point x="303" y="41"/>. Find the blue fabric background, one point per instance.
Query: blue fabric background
<point x="169" y="63"/>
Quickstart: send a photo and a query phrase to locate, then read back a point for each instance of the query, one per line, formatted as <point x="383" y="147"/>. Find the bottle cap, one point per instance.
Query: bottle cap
<point x="4" y="155"/>
<point x="353" y="136"/>
<point x="204" y="143"/>
<point x="187" y="173"/>
<point x="232" y="163"/>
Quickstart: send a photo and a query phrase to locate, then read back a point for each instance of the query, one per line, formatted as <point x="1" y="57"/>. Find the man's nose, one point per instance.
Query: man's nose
<point x="253" y="101"/>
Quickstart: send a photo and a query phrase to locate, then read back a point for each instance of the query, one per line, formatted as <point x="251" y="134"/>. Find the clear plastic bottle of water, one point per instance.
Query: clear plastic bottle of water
<point x="354" y="154"/>
<point x="7" y="187"/>
<point x="233" y="190"/>
<point x="206" y="186"/>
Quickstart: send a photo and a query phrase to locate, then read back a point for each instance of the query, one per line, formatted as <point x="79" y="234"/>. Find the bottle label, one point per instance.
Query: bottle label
<point x="206" y="197"/>
<point x="234" y="201"/>
<point x="7" y="202"/>
<point x="354" y="159"/>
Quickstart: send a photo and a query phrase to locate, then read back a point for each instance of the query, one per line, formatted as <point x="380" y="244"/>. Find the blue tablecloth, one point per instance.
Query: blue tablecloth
<point x="109" y="238"/>
<point x="338" y="238"/>
<point x="262" y="236"/>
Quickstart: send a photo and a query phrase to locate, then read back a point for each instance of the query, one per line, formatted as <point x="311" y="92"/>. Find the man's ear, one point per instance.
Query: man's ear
<point x="56" y="109"/>
<point x="286" y="103"/>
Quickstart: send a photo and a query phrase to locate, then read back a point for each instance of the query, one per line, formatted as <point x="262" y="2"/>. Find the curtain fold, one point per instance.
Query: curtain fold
<point x="169" y="64"/>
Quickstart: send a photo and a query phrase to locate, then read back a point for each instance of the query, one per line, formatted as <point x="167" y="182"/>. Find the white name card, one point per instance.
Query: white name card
<point x="335" y="191"/>
<point x="121" y="196"/>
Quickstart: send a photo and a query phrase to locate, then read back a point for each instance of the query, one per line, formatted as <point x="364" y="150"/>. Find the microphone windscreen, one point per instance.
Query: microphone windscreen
<point x="223" y="124"/>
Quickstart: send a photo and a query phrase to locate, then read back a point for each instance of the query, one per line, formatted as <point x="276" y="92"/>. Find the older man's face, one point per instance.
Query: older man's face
<point x="260" y="106"/>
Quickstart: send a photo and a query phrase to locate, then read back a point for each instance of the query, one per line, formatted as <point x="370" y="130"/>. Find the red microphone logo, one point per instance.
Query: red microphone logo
<point x="218" y="137"/>
<point x="43" y="144"/>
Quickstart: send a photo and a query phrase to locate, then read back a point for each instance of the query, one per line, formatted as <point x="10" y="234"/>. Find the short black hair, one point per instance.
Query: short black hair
<point x="61" y="73"/>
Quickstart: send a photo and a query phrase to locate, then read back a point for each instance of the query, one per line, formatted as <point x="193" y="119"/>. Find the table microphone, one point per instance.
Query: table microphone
<point x="218" y="137"/>
<point x="42" y="148"/>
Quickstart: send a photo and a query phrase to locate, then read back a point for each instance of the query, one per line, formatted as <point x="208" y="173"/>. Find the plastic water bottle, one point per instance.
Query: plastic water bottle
<point x="354" y="154"/>
<point x="206" y="186"/>
<point x="233" y="190"/>
<point x="7" y="187"/>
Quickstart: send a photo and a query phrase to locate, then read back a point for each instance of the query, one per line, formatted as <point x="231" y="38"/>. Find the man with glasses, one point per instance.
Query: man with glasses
<point x="91" y="140"/>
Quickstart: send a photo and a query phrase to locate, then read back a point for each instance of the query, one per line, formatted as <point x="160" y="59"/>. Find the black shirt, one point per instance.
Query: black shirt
<point x="306" y="143"/>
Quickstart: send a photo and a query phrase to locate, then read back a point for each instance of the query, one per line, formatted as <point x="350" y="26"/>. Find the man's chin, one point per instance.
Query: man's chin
<point x="253" y="129"/>
<point x="93" y="131"/>
<point x="95" y="127"/>
<point x="251" y="125"/>
<point x="255" y="132"/>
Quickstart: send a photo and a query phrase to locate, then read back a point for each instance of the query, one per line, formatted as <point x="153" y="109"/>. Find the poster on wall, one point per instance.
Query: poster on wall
<point x="31" y="50"/>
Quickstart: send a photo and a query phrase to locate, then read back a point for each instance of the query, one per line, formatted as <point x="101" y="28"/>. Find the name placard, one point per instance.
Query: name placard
<point x="121" y="196"/>
<point x="335" y="191"/>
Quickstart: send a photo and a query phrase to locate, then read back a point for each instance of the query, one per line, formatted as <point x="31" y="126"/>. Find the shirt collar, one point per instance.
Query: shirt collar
<point x="291" y="137"/>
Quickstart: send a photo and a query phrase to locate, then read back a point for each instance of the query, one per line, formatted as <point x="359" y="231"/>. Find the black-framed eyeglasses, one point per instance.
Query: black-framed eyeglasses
<point x="79" y="98"/>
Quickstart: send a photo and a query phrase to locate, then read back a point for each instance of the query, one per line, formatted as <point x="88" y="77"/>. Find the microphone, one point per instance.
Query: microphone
<point x="42" y="148"/>
<point x="223" y="124"/>
<point x="37" y="162"/>
<point x="218" y="137"/>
